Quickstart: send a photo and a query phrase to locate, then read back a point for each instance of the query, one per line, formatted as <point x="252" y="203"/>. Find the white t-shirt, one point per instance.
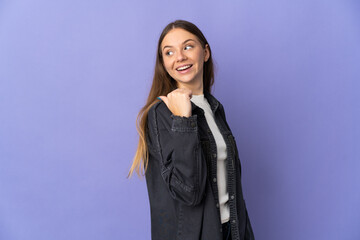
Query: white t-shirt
<point x="223" y="194"/>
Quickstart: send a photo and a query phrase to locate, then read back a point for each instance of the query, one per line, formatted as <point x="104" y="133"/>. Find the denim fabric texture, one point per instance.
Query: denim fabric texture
<point x="181" y="176"/>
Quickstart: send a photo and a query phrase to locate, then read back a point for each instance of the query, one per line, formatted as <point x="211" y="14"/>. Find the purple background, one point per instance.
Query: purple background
<point x="74" y="74"/>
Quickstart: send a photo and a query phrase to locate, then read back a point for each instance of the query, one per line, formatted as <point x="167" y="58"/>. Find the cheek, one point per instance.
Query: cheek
<point x="200" y="56"/>
<point x="167" y="65"/>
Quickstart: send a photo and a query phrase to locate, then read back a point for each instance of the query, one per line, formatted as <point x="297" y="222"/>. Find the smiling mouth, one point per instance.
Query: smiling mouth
<point x="184" y="68"/>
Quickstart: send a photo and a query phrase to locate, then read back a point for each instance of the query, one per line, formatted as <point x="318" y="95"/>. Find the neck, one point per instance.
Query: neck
<point x="195" y="89"/>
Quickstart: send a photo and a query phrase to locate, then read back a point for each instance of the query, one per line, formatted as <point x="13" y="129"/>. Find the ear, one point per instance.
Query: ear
<point x="207" y="53"/>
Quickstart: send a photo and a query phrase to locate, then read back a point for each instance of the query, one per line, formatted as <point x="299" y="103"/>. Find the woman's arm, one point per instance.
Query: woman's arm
<point x="178" y="149"/>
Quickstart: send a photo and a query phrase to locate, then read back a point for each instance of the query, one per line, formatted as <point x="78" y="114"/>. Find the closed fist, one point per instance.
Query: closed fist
<point x="178" y="102"/>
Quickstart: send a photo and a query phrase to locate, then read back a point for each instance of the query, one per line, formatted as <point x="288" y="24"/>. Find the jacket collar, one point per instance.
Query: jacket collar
<point x="214" y="103"/>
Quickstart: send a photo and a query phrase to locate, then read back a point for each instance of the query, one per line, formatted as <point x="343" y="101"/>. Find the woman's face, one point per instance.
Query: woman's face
<point x="184" y="57"/>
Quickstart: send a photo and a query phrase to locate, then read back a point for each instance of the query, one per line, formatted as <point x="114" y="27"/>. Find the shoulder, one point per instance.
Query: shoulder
<point x="222" y="110"/>
<point x="159" y="112"/>
<point x="159" y="108"/>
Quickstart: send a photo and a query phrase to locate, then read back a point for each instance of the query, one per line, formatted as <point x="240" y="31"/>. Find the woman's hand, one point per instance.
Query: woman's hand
<point x="178" y="102"/>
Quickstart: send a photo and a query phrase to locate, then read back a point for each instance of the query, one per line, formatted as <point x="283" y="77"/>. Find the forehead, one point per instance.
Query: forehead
<point x="177" y="36"/>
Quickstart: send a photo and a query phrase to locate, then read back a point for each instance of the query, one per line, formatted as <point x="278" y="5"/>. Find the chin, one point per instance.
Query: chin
<point x="186" y="78"/>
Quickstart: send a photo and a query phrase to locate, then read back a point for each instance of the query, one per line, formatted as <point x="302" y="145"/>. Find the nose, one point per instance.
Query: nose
<point x="180" y="56"/>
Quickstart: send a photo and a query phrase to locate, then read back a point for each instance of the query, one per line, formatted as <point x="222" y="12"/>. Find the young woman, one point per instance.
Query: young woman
<point x="186" y="148"/>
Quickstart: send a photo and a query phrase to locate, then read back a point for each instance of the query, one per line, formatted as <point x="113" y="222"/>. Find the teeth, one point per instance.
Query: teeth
<point x="184" y="67"/>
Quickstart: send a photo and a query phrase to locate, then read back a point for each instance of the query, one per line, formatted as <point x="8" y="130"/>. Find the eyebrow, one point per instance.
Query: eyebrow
<point x="183" y="42"/>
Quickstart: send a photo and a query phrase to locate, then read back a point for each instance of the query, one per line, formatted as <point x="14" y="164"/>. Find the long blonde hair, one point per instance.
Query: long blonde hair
<point x="162" y="84"/>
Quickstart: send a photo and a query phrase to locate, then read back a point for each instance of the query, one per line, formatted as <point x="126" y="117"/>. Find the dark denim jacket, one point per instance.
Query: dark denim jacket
<point x="181" y="176"/>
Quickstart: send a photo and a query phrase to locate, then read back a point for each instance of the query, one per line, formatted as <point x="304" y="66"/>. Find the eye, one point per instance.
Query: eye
<point x="167" y="53"/>
<point x="189" y="46"/>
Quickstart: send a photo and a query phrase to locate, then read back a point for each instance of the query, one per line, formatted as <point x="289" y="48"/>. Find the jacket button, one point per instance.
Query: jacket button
<point x="193" y="124"/>
<point x="214" y="155"/>
<point x="232" y="197"/>
<point x="217" y="205"/>
<point x="209" y="130"/>
<point x="233" y="221"/>
<point x="214" y="179"/>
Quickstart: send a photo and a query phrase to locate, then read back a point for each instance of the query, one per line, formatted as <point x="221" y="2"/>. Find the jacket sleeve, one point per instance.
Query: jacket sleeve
<point x="176" y="142"/>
